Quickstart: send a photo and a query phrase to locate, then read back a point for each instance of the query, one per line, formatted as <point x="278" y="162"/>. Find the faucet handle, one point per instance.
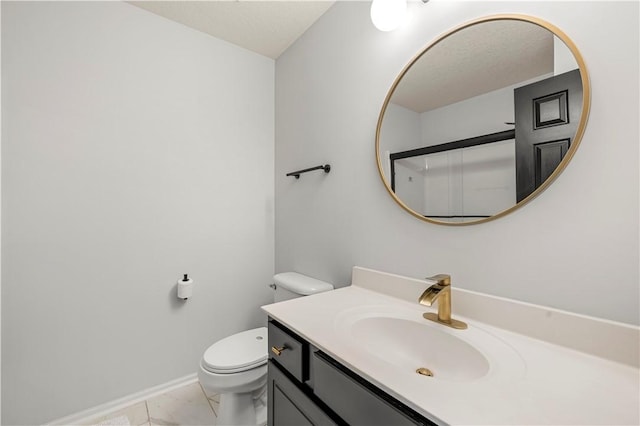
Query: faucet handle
<point x="441" y="279"/>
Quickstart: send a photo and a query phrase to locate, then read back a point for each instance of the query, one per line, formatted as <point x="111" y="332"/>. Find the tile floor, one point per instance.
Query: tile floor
<point x="188" y="405"/>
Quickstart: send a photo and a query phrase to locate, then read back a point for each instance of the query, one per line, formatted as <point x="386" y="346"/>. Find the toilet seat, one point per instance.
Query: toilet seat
<point x="239" y="352"/>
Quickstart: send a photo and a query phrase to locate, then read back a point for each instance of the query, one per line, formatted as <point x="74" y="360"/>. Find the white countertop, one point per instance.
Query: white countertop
<point x="539" y="383"/>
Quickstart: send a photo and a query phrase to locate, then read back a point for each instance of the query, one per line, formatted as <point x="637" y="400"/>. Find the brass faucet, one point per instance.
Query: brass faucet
<point x="440" y="291"/>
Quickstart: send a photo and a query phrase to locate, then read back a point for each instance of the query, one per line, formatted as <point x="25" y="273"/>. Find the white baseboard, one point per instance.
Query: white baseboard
<point x="120" y="403"/>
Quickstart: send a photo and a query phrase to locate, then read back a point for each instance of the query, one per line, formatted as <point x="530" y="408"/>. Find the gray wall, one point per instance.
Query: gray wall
<point x="575" y="247"/>
<point x="134" y="150"/>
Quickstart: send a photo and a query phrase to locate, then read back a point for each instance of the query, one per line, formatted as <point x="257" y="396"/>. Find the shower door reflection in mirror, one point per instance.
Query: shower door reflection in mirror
<point x="458" y="184"/>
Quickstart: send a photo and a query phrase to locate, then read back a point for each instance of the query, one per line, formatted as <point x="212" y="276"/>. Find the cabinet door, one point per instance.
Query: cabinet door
<point x="357" y="401"/>
<point x="288" y="404"/>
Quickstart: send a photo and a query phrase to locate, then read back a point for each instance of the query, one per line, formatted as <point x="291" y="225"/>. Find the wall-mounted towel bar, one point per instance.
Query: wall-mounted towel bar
<point x="326" y="168"/>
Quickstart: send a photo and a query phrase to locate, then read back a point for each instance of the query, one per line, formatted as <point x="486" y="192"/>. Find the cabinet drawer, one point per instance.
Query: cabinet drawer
<point x="357" y="401"/>
<point x="288" y="350"/>
<point x="289" y="405"/>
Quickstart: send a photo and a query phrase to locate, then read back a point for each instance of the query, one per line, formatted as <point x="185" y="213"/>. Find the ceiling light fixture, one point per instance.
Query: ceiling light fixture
<point x="387" y="15"/>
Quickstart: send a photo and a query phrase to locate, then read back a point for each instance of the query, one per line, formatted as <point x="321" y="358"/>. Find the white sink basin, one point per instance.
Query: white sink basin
<point x="413" y="345"/>
<point x="404" y="342"/>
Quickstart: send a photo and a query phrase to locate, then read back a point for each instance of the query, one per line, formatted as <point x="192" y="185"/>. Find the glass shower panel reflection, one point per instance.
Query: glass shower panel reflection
<point x="489" y="178"/>
<point x="459" y="185"/>
<point x="410" y="183"/>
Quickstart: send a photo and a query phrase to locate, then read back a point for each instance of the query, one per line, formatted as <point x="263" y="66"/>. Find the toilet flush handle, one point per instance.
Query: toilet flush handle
<point x="278" y="350"/>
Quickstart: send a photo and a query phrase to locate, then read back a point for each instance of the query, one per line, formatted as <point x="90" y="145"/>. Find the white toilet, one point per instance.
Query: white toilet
<point x="236" y="366"/>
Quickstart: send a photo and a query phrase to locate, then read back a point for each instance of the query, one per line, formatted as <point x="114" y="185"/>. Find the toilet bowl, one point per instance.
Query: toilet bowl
<point x="236" y="366"/>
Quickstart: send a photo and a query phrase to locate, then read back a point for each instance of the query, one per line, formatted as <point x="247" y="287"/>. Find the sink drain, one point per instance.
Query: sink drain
<point x="424" y="371"/>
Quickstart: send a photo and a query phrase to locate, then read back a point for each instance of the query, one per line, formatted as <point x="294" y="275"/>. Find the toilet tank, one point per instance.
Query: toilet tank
<point x="289" y="285"/>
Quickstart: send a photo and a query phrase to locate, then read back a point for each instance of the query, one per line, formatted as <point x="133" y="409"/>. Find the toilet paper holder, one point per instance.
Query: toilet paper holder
<point x="185" y="287"/>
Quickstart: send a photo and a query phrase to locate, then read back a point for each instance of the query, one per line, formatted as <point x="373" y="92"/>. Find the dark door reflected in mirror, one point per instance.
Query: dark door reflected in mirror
<point x="482" y="120"/>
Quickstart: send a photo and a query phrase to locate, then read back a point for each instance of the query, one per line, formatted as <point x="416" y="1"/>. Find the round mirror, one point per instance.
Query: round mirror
<point x="482" y="120"/>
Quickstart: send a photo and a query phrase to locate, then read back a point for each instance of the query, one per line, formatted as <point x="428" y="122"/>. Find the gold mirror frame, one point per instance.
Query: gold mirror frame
<point x="586" y="103"/>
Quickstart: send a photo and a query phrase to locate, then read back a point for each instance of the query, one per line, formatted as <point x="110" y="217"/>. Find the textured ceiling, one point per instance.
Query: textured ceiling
<point x="262" y="26"/>
<point x="474" y="61"/>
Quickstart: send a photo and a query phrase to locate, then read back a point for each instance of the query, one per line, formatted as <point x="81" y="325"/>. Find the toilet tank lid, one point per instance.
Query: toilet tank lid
<point x="301" y="284"/>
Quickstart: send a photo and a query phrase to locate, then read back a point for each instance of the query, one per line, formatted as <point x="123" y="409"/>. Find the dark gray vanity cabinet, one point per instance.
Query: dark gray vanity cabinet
<point x="290" y="394"/>
<point x="308" y="387"/>
<point x="290" y="405"/>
